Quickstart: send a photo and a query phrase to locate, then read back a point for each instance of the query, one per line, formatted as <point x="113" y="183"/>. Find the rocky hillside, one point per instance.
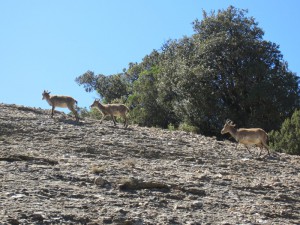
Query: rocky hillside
<point x="55" y="171"/>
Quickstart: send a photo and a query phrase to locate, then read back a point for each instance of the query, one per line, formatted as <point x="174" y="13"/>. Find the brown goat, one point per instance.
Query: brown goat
<point x="250" y="136"/>
<point x="112" y="110"/>
<point x="62" y="102"/>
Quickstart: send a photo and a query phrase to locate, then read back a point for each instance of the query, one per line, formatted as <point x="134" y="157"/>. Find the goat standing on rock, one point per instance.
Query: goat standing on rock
<point x="251" y="136"/>
<point x="112" y="110"/>
<point x="61" y="101"/>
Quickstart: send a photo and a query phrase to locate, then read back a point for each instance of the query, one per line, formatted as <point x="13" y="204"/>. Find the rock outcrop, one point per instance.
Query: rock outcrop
<point x="57" y="171"/>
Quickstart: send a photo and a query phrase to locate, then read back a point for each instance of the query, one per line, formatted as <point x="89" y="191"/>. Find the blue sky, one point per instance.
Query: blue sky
<point x="47" y="44"/>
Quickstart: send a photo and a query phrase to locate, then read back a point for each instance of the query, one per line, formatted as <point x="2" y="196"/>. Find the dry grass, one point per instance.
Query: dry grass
<point x="130" y="162"/>
<point x="97" y="169"/>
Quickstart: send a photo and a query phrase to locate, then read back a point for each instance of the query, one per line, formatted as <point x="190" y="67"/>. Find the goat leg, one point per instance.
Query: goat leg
<point x="248" y="149"/>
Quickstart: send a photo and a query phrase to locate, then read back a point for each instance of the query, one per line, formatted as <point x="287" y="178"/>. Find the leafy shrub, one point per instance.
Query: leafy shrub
<point x="188" y="128"/>
<point x="171" y="127"/>
<point x="93" y="113"/>
<point x="287" y="139"/>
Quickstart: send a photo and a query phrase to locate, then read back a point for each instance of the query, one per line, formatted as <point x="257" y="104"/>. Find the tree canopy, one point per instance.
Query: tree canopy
<point x="224" y="70"/>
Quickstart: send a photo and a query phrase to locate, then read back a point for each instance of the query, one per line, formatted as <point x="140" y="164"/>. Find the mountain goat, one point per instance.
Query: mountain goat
<point x="61" y="101"/>
<point x="112" y="110"/>
<point x="250" y="136"/>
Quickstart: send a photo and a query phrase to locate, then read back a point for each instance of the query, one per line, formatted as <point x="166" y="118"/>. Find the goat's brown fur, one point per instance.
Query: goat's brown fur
<point x="112" y="110"/>
<point x="60" y="101"/>
<point x="247" y="136"/>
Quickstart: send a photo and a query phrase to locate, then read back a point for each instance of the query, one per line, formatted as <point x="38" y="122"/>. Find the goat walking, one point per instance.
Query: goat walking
<point x="250" y="136"/>
<point x="112" y="110"/>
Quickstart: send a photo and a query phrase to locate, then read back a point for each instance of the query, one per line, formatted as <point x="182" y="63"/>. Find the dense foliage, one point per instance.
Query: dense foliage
<point x="224" y="70"/>
<point x="287" y="139"/>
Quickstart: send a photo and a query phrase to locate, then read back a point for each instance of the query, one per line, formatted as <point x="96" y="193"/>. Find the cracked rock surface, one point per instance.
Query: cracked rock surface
<point x="57" y="171"/>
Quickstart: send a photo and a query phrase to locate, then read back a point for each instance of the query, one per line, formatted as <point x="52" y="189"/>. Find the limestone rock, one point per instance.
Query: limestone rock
<point x="57" y="171"/>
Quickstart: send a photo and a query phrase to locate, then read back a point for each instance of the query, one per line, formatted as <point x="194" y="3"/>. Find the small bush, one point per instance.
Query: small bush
<point x="129" y="162"/>
<point x="287" y="139"/>
<point x="127" y="184"/>
<point x="97" y="169"/>
<point x="188" y="128"/>
<point x="93" y="113"/>
<point x="171" y="127"/>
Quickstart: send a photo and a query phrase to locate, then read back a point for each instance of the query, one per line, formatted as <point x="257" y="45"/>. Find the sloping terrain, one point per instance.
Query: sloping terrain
<point x="55" y="171"/>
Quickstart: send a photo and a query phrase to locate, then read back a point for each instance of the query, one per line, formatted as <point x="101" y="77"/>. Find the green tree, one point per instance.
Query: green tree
<point x="109" y="87"/>
<point x="227" y="70"/>
<point x="224" y="70"/>
<point x="287" y="139"/>
<point x="147" y="110"/>
<point x="247" y="74"/>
